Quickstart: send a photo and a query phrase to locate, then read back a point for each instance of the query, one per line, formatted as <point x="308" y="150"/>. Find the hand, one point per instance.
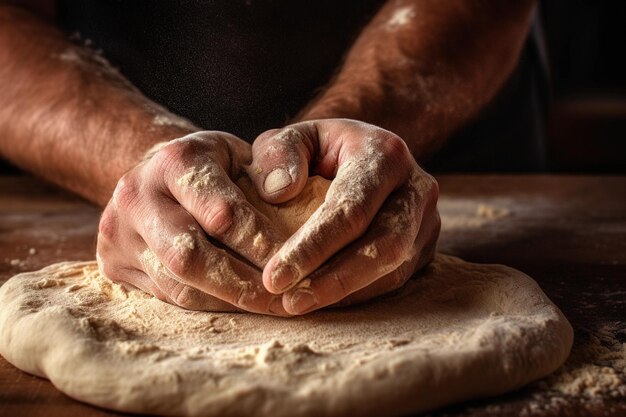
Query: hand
<point x="177" y="227"/>
<point x="378" y="224"/>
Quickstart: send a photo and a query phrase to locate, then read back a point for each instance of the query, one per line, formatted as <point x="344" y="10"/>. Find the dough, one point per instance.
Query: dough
<point x="291" y="215"/>
<point x="457" y="331"/>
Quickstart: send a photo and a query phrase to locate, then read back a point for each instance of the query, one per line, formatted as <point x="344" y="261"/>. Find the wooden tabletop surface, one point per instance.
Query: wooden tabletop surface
<point x="567" y="232"/>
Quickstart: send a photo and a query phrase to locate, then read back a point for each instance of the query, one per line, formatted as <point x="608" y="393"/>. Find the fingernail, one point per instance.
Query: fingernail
<point x="276" y="306"/>
<point x="276" y="180"/>
<point x="302" y="301"/>
<point x="283" y="277"/>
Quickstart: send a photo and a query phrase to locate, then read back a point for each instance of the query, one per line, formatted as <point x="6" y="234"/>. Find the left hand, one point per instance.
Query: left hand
<point x="379" y="222"/>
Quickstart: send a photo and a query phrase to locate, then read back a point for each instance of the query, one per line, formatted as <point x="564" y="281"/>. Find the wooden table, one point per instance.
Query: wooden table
<point x="569" y="233"/>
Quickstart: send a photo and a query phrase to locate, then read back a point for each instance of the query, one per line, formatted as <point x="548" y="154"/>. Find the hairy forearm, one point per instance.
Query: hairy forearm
<point x="66" y="115"/>
<point x="424" y="68"/>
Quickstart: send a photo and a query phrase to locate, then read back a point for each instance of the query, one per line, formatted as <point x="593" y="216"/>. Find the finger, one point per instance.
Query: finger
<point x="191" y="298"/>
<point x="159" y="285"/>
<point x="205" y="190"/>
<point x="112" y="251"/>
<point x="160" y="222"/>
<point x="178" y="293"/>
<point x="280" y="165"/>
<point x="392" y="241"/>
<point x="424" y="249"/>
<point x="361" y="186"/>
<point x="180" y="259"/>
<point x="139" y="279"/>
<point x="384" y="285"/>
<point x="379" y="252"/>
<point x="128" y="276"/>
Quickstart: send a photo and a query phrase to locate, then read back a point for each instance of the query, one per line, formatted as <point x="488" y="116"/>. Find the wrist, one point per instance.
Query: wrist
<point x="333" y="104"/>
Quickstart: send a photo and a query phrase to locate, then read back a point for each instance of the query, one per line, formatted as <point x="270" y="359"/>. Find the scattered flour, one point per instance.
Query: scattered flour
<point x="258" y="241"/>
<point x="70" y="55"/>
<point x="597" y="366"/>
<point x="371" y="251"/>
<point x="152" y="264"/>
<point x="469" y="214"/>
<point x="184" y="243"/>
<point x="491" y="212"/>
<point x="199" y="179"/>
<point x="209" y="179"/>
<point x="591" y="382"/>
<point x="400" y="17"/>
<point x="169" y="119"/>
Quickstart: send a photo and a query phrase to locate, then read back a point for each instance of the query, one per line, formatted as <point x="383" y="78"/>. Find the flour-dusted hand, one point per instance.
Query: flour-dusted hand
<point x="177" y="227"/>
<point x="379" y="222"/>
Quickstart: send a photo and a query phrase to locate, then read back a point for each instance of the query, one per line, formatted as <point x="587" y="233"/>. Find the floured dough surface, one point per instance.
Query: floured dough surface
<point x="288" y="216"/>
<point x="457" y="331"/>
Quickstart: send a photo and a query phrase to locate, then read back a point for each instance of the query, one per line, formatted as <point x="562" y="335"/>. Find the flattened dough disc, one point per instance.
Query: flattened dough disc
<point x="455" y="332"/>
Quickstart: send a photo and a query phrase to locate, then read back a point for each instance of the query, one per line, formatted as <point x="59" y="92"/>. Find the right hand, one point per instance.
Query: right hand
<point x="177" y="227"/>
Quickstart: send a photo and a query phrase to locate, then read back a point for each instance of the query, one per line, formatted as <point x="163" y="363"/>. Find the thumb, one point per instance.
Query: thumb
<point x="280" y="163"/>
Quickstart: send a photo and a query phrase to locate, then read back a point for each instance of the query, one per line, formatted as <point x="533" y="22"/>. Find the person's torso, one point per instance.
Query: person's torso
<point x="245" y="66"/>
<point x="241" y="66"/>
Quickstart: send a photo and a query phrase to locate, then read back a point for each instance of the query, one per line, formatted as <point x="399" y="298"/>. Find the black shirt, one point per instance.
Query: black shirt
<point x="244" y="66"/>
<point x="232" y="65"/>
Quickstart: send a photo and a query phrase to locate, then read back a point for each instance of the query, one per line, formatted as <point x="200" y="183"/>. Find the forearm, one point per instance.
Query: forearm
<point x="66" y="115"/>
<point x="424" y="68"/>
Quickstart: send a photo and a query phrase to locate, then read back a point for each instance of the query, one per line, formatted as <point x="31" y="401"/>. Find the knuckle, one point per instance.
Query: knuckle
<point x="264" y="137"/>
<point x="393" y="251"/>
<point x="108" y="226"/>
<point x="167" y="156"/>
<point x="281" y="143"/>
<point x="127" y="193"/>
<point x="426" y="184"/>
<point x="218" y="217"/>
<point x="179" y="148"/>
<point x="241" y="298"/>
<point x="287" y="136"/>
<point x="394" y="148"/>
<point x="180" y="263"/>
<point x="249" y="296"/>
<point x="344" y="285"/>
<point x="184" y="296"/>
<point x="171" y="156"/>
<point x="353" y="217"/>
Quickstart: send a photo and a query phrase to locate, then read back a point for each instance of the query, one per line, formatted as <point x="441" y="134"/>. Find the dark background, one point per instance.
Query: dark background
<point x="586" y="128"/>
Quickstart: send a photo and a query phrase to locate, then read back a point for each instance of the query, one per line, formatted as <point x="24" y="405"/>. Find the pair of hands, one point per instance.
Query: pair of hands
<point x="179" y="228"/>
